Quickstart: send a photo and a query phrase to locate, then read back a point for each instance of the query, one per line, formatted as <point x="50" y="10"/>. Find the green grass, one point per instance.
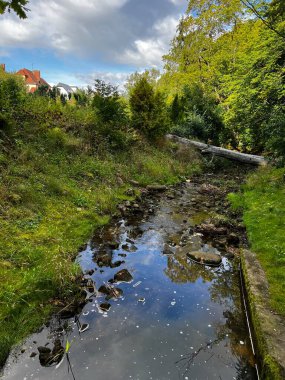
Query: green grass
<point x="263" y="204"/>
<point x="51" y="200"/>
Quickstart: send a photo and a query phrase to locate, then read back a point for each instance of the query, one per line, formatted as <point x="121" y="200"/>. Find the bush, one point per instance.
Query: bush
<point x="107" y="105"/>
<point x="6" y="127"/>
<point x="275" y="132"/>
<point x="193" y="126"/>
<point x="149" y="112"/>
<point x="197" y="115"/>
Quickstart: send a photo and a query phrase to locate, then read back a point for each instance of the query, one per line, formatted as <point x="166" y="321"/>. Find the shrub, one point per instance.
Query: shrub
<point x="107" y="105"/>
<point x="56" y="138"/>
<point x="197" y="115"/>
<point x="149" y="111"/>
<point x="275" y="132"/>
<point x="6" y="127"/>
<point x="112" y="118"/>
<point x="193" y="126"/>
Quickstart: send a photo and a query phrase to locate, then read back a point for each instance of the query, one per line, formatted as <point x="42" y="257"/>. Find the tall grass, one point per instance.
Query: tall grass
<point x="263" y="205"/>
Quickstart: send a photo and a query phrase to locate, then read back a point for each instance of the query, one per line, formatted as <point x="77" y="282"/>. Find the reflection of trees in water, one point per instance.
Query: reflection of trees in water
<point x="224" y="290"/>
<point x="187" y="360"/>
<point x="244" y="372"/>
<point x="242" y="360"/>
<point x="181" y="270"/>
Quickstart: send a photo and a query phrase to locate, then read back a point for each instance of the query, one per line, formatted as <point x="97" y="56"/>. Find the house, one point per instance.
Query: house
<point x="65" y="89"/>
<point x="32" y="79"/>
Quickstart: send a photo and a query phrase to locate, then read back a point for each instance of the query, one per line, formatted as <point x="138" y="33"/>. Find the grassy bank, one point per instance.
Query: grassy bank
<point x="64" y="166"/>
<point x="51" y="200"/>
<point x="263" y="204"/>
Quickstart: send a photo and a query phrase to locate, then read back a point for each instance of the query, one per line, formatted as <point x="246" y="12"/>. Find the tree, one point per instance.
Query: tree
<point x="81" y="97"/>
<point x="199" y="115"/>
<point x="63" y="99"/>
<point x="106" y="102"/>
<point x="42" y="90"/>
<point x="149" y="111"/>
<point x="18" y="6"/>
<point x="267" y="13"/>
<point x="175" y="111"/>
<point x="111" y="115"/>
<point x="53" y="92"/>
<point x="151" y="76"/>
<point x="238" y="63"/>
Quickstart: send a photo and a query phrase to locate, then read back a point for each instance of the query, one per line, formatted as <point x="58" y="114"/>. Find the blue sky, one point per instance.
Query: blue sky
<point x="76" y="41"/>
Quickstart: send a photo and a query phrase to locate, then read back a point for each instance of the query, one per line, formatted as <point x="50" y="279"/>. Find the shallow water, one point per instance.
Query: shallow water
<point x="176" y="320"/>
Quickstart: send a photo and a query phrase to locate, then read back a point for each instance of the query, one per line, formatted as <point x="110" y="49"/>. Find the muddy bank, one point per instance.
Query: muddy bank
<point x="162" y="295"/>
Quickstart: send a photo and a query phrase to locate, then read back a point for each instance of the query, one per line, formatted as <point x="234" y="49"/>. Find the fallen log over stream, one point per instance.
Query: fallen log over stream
<point x="222" y="152"/>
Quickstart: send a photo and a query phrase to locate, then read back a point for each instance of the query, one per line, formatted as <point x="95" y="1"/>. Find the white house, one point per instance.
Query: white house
<point x="65" y="89"/>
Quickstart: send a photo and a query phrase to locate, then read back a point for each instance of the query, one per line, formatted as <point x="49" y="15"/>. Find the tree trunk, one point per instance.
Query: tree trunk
<point x="222" y="152"/>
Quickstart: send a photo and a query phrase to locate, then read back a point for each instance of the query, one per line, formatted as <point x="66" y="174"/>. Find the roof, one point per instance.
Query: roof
<point x="30" y="77"/>
<point x="67" y="88"/>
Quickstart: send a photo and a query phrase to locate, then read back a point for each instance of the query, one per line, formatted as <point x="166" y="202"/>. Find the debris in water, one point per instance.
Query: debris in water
<point x="83" y="327"/>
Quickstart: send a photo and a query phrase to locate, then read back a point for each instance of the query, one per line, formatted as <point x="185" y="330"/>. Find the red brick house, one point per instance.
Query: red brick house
<point x="32" y="79"/>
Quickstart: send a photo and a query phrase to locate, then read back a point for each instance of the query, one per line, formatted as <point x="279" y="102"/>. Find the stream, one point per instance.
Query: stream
<point x="153" y="312"/>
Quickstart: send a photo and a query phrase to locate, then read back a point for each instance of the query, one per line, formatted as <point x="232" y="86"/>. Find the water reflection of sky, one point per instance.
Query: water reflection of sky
<point x="158" y="338"/>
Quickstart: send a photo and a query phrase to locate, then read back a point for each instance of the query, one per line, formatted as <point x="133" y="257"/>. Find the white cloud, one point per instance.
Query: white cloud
<point x="115" y="78"/>
<point x="118" y="31"/>
<point x="149" y="52"/>
<point x="179" y="2"/>
<point x="65" y="25"/>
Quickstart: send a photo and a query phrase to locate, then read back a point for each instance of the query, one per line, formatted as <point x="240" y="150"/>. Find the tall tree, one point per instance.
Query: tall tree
<point x="149" y="111"/>
<point x="236" y="59"/>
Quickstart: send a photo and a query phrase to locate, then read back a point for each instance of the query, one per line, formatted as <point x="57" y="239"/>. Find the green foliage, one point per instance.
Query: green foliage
<point x="149" y="111"/>
<point x="12" y="93"/>
<point x="81" y="97"/>
<point x="51" y="205"/>
<point x="18" y="6"/>
<point x="234" y="52"/>
<point x="175" y="109"/>
<point x="63" y="99"/>
<point x="275" y="133"/>
<point x="263" y="204"/>
<point x="107" y="105"/>
<point x="42" y="90"/>
<point x="59" y="167"/>
<point x="192" y="126"/>
<point x="197" y="115"/>
<point x="53" y="93"/>
<point x="151" y="77"/>
<point x="6" y="128"/>
<point x="111" y="115"/>
<point x="276" y="11"/>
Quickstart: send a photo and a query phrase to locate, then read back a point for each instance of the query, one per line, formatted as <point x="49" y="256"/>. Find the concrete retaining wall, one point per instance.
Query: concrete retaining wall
<point x="269" y="328"/>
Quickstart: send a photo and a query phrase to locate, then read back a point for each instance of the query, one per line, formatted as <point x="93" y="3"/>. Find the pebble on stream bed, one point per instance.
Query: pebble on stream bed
<point x="181" y="302"/>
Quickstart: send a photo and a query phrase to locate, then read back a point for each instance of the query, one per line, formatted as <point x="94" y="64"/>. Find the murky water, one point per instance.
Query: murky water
<point x="175" y="320"/>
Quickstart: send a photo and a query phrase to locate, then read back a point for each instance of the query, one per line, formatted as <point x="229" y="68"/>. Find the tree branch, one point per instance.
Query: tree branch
<point x="250" y="6"/>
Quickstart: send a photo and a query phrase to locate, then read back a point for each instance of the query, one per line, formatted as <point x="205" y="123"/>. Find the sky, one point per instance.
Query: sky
<point x="76" y="41"/>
